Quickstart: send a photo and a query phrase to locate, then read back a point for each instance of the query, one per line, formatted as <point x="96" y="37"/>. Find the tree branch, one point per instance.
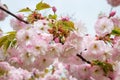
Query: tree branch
<point x="13" y="15"/>
<point x="83" y="59"/>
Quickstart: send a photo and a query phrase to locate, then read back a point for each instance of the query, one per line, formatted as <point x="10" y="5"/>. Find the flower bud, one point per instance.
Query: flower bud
<point x="57" y="40"/>
<point x="112" y="13"/>
<point x="54" y="9"/>
<point x="65" y="19"/>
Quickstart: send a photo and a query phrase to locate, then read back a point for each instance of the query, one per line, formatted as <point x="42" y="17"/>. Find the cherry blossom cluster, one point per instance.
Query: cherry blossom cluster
<point x="56" y="48"/>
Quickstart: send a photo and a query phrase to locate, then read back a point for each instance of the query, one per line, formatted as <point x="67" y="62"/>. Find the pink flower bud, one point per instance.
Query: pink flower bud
<point x="57" y="40"/>
<point x="65" y="19"/>
<point x="112" y="13"/>
<point x="54" y="9"/>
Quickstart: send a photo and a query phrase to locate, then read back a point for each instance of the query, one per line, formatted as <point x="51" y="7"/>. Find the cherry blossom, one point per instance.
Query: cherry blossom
<point x="52" y="48"/>
<point x="104" y="26"/>
<point x="3" y="14"/>
<point x="116" y="21"/>
<point x="16" y="24"/>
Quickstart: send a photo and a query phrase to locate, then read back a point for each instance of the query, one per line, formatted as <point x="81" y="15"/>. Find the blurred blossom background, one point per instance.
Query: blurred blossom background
<point x="85" y="11"/>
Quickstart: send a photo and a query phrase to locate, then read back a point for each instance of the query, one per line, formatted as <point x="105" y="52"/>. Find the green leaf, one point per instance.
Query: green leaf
<point x="11" y="35"/>
<point x="12" y="32"/>
<point x="13" y="43"/>
<point x="116" y="31"/>
<point x="51" y="25"/>
<point x="52" y="16"/>
<point x="6" y="45"/>
<point x="70" y="24"/>
<point x="41" y="6"/>
<point x="107" y="67"/>
<point x="66" y="25"/>
<point x="25" y="10"/>
<point x="8" y="40"/>
<point x="2" y="40"/>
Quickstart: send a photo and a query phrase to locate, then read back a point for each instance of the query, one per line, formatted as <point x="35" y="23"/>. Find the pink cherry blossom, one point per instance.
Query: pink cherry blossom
<point x="39" y="55"/>
<point x="3" y="14"/>
<point x="81" y="71"/>
<point x="5" y="66"/>
<point x="59" y="73"/>
<point x="41" y="26"/>
<point x="39" y="47"/>
<point x="116" y="49"/>
<point x="116" y="73"/>
<point x="43" y="62"/>
<point x="87" y="39"/>
<point x="18" y="74"/>
<point x="74" y="41"/>
<point x="55" y="49"/>
<point x="116" y="21"/>
<point x="104" y="26"/>
<point x="97" y="50"/>
<point x="80" y="28"/>
<point x="16" y="24"/>
<point x="117" y="45"/>
<point x="98" y="74"/>
<point x="46" y="37"/>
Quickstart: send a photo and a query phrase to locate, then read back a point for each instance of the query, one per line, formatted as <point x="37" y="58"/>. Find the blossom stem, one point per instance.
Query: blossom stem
<point x="13" y="15"/>
<point x="83" y="59"/>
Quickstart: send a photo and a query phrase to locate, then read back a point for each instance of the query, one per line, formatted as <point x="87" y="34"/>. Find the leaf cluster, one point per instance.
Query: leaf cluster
<point x="39" y="6"/>
<point x="116" y="31"/>
<point x="8" y="40"/>
<point x="106" y="67"/>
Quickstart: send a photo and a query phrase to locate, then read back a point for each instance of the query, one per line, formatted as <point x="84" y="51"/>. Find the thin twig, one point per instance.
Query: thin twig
<point x="13" y="15"/>
<point x="83" y="59"/>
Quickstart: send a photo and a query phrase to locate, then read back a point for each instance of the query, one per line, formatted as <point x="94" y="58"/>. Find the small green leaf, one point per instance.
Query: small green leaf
<point x="41" y="6"/>
<point x="66" y="25"/>
<point x="69" y="24"/>
<point x="12" y="32"/>
<point x="6" y="45"/>
<point x="116" y="31"/>
<point x="25" y="10"/>
<point x="13" y="43"/>
<point x="52" y="16"/>
<point x="8" y="40"/>
<point x="51" y="25"/>
<point x="2" y="40"/>
<point x="11" y="35"/>
<point x="106" y="67"/>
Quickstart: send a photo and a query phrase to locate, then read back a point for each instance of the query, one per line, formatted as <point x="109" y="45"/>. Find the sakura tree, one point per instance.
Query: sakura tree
<point x="57" y="48"/>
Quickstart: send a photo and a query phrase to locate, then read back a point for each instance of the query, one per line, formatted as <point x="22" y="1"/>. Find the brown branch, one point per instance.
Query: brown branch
<point x="13" y="15"/>
<point x="83" y="59"/>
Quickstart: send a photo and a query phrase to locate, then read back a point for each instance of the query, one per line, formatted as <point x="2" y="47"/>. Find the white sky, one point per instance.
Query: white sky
<point x="81" y="10"/>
